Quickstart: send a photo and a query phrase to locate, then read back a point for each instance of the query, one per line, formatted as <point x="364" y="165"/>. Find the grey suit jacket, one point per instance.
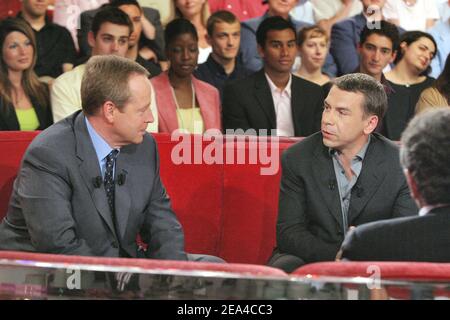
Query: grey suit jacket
<point x="248" y="103"/>
<point x="309" y="222"/>
<point x="56" y="208"/>
<point x="152" y="15"/>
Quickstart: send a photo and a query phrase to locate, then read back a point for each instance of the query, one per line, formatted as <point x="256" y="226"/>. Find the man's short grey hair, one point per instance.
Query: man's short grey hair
<point x="425" y="152"/>
<point x="106" y="79"/>
<point x="375" y="98"/>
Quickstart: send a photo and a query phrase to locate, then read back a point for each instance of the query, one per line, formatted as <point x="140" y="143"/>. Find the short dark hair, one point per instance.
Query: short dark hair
<point x="375" y="98"/>
<point x="178" y="27"/>
<point x="112" y="15"/>
<point x="272" y="23"/>
<point x="386" y="29"/>
<point x="425" y="152"/>
<point x="106" y="79"/>
<point x="220" y="16"/>
<point x="118" y="3"/>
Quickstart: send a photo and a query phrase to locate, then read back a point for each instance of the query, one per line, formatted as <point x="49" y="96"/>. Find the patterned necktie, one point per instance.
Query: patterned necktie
<point x="109" y="181"/>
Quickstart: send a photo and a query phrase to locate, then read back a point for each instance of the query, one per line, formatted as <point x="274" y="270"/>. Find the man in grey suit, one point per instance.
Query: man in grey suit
<point x="343" y="176"/>
<point x="90" y="184"/>
<point x="425" y="157"/>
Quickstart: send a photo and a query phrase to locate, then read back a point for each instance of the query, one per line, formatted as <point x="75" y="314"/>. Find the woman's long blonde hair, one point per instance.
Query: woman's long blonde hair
<point x="30" y="82"/>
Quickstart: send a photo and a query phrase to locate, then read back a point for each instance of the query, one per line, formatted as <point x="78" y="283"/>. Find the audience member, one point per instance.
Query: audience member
<point x="327" y="13"/>
<point x="345" y="35"/>
<point x="84" y="209"/>
<point x="408" y="79"/>
<point x="250" y="57"/>
<point x="24" y="101"/>
<point x="443" y="9"/>
<point x="197" y="12"/>
<point x="338" y="178"/>
<point x="242" y="9"/>
<point x="273" y="98"/>
<point x="411" y="14"/>
<point x="377" y="49"/>
<point x="312" y="44"/>
<point x="67" y="14"/>
<point x="151" y="43"/>
<point x="224" y="36"/>
<point x="54" y="45"/>
<point x="425" y="155"/>
<point x="184" y="102"/>
<point x="441" y="34"/>
<point x="438" y="95"/>
<point x="111" y="29"/>
<point x="165" y="8"/>
<point x="135" y="13"/>
<point x="303" y="11"/>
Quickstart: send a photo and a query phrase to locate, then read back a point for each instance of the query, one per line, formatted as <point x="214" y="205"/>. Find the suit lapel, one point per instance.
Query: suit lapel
<point x="206" y="103"/>
<point x="89" y="169"/>
<point x="167" y="111"/>
<point x="263" y="95"/>
<point x="372" y="174"/>
<point x="323" y="172"/>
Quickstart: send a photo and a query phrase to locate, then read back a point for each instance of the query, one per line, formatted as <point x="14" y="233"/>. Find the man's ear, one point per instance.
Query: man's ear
<point x="108" y="109"/>
<point x="413" y="187"/>
<point x="91" y="39"/>
<point x="372" y="122"/>
<point x="394" y="55"/>
<point x="208" y="39"/>
<point x="260" y="51"/>
<point x="358" y="48"/>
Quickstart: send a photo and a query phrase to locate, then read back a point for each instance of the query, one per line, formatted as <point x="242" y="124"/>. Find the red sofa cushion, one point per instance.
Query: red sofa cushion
<point x="388" y="270"/>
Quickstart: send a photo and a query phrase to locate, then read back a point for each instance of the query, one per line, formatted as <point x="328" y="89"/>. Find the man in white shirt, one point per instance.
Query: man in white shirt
<point x="273" y="101"/>
<point x="110" y="35"/>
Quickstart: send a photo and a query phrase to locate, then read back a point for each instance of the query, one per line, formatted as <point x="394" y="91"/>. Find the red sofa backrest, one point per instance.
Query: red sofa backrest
<point x="228" y="210"/>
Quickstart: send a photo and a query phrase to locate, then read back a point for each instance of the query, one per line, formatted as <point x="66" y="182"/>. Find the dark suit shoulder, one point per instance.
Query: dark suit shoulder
<point x="244" y="83"/>
<point x="57" y="136"/>
<point x="297" y="81"/>
<point x="383" y="144"/>
<point x="304" y="149"/>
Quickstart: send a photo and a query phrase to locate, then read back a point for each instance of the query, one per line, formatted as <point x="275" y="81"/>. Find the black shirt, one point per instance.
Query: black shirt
<point x="401" y="106"/>
<point x="214" y="74"/>
<point x="54" y="48"/>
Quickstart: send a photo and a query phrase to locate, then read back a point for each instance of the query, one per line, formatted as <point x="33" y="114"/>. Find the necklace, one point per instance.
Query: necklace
<point x="183" y="127"/>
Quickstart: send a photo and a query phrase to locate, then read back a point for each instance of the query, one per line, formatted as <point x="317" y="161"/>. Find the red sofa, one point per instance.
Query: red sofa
<point x="227" y="210"/>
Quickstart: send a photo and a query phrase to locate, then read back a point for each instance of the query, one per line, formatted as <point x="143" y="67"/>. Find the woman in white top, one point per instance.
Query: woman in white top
<point x="411" y="14"/>
<point x="197" y="12"/>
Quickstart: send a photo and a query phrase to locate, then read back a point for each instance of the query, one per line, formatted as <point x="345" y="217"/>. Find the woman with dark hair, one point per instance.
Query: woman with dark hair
<point x="184" y="102"/>
<point x="407" y="80"/>
<point x="24" y="100"/>
<point x="439" y="94"/>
